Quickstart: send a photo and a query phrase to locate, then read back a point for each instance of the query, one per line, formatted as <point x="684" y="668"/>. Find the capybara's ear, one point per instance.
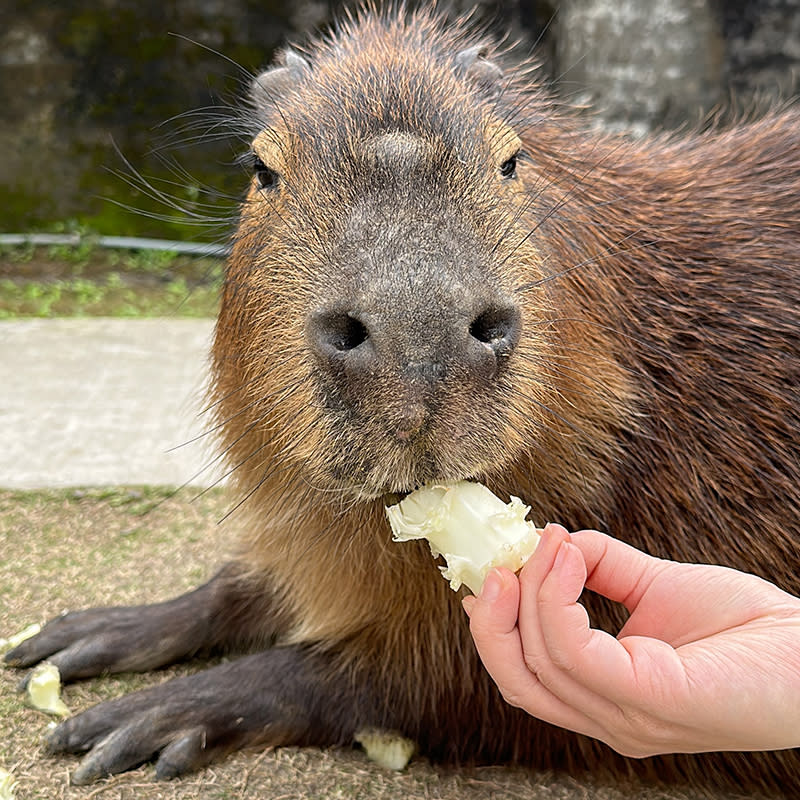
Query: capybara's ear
<point x="271" y="85"/>
<point x="486" y="75"/>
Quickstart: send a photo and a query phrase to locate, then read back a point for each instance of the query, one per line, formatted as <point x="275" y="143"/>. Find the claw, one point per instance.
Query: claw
<point x="58" y="741"/>
<point x="55" y="741"/>
<point x="87" y="772"/>
<point x="16" y="657"/>
<point x="182" y="755"/>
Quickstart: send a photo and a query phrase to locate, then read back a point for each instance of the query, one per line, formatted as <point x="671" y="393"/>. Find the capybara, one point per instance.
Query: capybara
<point x="439" y="272"/>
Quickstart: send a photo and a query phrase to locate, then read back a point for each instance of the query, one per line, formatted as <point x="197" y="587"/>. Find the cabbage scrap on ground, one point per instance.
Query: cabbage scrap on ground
<point x="44" y="683"/>
<point x="18" y="638"/>
<point x="470" y="526"/>
<point x="389" y="749"/>
<point x="7" y="784"/>
<point x="44" y="690"/>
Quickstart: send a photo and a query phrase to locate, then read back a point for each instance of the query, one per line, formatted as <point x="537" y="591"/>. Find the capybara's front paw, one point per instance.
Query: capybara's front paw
<point x="269" y="698"/>
<point x="83" y="644"/>
<point x="123" y="733"/>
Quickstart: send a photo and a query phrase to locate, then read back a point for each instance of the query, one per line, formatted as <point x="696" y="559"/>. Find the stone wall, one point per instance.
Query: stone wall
<point x="81" y="79"/>
<point x="661" y="63"/>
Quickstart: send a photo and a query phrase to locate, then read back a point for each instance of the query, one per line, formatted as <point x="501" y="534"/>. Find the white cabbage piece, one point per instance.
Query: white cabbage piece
<point x="7" y="784"/>
<point x="18" y="638"/>
<point x="389" y="749"/>
<point x="470" y="526"/>
<point x="44" y="690"/>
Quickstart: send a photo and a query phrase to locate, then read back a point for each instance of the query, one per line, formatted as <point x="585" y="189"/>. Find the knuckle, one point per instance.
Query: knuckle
<point x="631" y="749"/>
<point x="534" y="661"/>
<point x="636" y="734"/>
<point x="636" y="746"/>
<point x="542" y="667"/>
<point x="512" y="698"/>
<point x="563" y="661"/>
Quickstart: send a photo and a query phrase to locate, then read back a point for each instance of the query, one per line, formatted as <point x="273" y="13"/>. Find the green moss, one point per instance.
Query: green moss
<point x="85" y="280"/>
<point x="83" y="298"/>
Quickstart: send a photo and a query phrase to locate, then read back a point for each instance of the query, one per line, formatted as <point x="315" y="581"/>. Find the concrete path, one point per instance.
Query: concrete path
<point x="102" y="401"/>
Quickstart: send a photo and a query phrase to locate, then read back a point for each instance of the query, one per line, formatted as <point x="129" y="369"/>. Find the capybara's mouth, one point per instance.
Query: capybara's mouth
<point x="393" y="498"/>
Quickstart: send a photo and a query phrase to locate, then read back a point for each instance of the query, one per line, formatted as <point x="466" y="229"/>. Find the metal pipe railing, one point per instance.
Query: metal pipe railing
<point x="114" y="242"/>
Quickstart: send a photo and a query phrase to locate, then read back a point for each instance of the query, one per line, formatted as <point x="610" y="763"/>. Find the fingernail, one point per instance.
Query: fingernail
<point x="492" y="586"/>
<point x="542" y="535"/>
<point x="561" y="555"/>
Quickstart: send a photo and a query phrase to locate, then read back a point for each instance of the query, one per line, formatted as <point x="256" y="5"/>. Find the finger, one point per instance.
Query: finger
<point x="83" y="731"/>
<point x="542" y="559"/>
<point x="493" y="622"/>
<point x="565" y="624"/>
<point x="493" y="615"/>
<point x="567" y="575"/>
<point x="615" y="569"/>
<point x="530" y="580"/>
<point x="615" y="672"/>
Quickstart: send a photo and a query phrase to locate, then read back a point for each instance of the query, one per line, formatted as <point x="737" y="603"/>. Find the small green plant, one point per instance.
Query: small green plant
<point x="87" y="280"/>
<point x="72" y="253"/>
<point x="17" y="253"/>
<point x="40" y="297"/>
<point x="154" y="262"/>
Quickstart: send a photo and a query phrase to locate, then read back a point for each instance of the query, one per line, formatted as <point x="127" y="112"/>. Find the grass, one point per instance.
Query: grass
<point x="85" y="280"/>
<point x="69" y="549"/>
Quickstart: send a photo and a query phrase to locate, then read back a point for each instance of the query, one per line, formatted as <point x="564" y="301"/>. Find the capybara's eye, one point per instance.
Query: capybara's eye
<point x="267" y="178"/>
<point x="508" y="169"/>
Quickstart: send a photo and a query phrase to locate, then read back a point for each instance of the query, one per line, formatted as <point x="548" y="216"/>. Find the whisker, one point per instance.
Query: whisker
<point x="608" y="252"/>
<point x="615" y="331"/>
<point x="277" y="467"/>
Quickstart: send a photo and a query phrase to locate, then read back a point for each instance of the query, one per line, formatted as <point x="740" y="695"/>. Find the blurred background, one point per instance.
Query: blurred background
<point x="83" y="79"/>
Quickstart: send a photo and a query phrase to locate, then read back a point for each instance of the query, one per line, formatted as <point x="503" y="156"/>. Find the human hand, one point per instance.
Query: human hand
<point x="709" y="658"/>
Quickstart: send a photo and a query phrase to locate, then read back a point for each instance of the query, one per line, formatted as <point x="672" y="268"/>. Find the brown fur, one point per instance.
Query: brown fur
<point x="654" y="393"/>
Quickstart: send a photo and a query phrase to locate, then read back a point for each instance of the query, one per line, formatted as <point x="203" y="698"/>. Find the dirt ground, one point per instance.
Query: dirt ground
<point x="71" y="548"/>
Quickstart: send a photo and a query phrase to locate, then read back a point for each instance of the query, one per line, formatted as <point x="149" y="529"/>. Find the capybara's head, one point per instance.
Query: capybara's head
<point x="385" y="267"/>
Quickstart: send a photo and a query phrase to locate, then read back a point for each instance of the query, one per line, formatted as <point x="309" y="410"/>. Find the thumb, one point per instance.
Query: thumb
<point x="615" y="569"/>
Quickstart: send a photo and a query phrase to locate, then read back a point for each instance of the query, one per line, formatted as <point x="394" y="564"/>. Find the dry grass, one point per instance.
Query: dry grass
<point x="66" y="549"/>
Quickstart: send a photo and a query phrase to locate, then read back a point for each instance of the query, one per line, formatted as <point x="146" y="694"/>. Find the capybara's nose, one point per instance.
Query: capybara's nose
<point x="424" y="344"/>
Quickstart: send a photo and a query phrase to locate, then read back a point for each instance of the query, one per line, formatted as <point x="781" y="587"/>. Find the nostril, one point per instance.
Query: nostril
<point x="340" y="331"/>
<point x="497" y="328"/>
